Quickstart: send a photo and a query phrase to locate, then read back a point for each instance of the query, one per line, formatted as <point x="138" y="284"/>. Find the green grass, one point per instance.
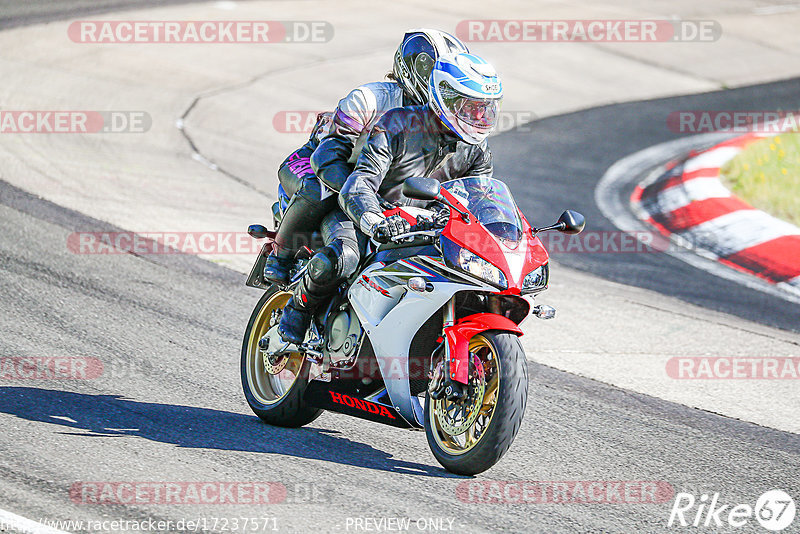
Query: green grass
<point x="766" y="174"/>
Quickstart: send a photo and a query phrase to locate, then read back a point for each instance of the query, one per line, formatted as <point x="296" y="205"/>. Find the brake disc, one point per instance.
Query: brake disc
<point x="277" y="366"/>
<point x="455" y="418"/>
<point x="274" y="365"/>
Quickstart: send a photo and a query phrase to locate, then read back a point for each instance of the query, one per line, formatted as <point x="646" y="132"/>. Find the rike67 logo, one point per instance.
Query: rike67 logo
<point x="774" y="510"/>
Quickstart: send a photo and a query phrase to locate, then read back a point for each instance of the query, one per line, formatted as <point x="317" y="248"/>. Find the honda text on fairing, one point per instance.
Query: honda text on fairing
<point x="424" y="336"/>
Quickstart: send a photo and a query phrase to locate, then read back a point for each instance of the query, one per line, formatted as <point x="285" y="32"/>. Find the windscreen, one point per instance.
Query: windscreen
<point x="491" y="202"/>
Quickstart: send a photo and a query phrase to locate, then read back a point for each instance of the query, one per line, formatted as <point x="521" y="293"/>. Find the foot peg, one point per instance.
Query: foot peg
<point x="274" y="347"/>
<point x="272" y="344"/>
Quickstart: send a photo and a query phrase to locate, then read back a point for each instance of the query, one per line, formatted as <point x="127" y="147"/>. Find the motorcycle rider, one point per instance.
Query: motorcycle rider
<point x="444" y="139"/>
<point x="314" y="174"/>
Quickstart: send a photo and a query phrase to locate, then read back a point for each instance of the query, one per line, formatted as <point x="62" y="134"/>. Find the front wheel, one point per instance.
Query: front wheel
<point x="470" y="436"/>
<point x="274" y="390"/>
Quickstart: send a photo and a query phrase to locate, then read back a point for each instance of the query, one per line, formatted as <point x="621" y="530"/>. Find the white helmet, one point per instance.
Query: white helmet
<point x="416" y="56"/>
<point x="465" y="92"/>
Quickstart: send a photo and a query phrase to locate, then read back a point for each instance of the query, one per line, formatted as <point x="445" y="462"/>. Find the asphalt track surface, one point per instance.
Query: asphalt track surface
<point x="169" y="406"/>
<point x="14" y="13"/>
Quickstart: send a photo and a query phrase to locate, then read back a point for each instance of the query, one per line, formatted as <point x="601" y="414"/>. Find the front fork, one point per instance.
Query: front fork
<point x="451" y="378"/>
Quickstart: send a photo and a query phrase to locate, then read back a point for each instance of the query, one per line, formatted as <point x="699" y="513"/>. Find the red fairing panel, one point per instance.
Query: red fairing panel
<point x="403" y="213"/>
<point x="459" y="334"/>
<point x="477" y="239"/>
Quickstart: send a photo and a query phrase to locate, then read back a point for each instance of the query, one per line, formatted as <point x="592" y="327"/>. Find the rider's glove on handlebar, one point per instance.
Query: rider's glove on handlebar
<point x="390" y="227"/>
<point x="424" y="222"/>
<point x="441" y="214"/>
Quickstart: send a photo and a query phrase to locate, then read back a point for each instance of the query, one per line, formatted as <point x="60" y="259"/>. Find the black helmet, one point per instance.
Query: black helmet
<point x="415" y="57"/>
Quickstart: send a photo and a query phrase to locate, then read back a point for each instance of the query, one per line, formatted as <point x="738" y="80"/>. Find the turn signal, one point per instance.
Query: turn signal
<point x="417" y="284"/>
<point x="544" y="312"/>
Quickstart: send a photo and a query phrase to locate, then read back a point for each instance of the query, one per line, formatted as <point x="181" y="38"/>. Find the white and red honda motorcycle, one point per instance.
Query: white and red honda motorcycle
<point x="426" y="335"/>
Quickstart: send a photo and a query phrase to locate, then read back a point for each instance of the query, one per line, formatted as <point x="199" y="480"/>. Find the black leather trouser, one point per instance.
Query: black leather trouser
<point x="307" y="208"/>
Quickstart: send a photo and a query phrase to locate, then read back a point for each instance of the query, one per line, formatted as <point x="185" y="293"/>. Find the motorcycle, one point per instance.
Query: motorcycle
<point x="424" y="336"/>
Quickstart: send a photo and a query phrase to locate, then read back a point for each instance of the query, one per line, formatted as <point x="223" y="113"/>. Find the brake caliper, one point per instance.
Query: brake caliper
<point x="457" y="416"/>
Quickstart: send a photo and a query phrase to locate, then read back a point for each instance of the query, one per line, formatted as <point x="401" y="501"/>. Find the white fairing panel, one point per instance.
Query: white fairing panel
<point x="391" y="324"/>
<point x="375" y="297"/>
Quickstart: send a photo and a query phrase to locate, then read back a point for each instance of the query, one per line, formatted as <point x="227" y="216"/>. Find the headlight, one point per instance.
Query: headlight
<point x="536" y="279"/>
<point x="478" y="267"/>
<point x="460" y="258"/>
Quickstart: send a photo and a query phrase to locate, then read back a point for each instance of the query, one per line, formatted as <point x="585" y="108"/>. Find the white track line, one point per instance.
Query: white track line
<point x="632" y="168"/>
<point x="21" y="524"/>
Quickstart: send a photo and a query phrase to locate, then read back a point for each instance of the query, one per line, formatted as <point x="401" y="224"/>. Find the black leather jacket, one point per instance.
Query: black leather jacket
<point x="355" y="115"/>
<point x="409" y="141"/>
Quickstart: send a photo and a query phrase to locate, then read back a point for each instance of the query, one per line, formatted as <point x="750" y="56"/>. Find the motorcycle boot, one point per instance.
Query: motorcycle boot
<point x="317" y="284"/>
<point x="278" y="266"/>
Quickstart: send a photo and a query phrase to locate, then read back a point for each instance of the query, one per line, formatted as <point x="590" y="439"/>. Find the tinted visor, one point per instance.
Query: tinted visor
<point x="491" y="202"/>
<point x="420" y="56"/>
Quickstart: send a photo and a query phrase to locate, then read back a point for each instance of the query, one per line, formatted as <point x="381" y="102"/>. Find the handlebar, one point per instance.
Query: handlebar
<point x="429" y="233"/>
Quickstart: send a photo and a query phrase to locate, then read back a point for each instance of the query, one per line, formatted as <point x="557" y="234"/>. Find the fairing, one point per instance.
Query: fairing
<point x="515" y="258"/>
<point x="391" y="314"/>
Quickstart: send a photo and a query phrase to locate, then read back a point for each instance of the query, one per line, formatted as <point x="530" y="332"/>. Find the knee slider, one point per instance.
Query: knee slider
<point x="323" y="266"/>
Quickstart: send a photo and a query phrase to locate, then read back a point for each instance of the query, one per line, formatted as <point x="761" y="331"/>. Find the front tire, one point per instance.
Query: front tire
<point x="504" y="394"/>
<point x="276" y="398"/>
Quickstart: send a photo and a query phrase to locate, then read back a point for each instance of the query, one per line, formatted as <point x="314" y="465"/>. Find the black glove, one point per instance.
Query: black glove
<point x="390" y="227"/>
<point x="441" y="214"/>
<point x="424" y="222"/>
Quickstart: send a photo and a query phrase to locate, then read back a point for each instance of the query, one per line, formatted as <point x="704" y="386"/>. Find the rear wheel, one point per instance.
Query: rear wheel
<point x="468" y="437"/>
<point x="274" y="389"/>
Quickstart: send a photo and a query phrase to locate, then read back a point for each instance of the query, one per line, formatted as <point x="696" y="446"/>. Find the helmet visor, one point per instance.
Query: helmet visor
<point x="479" y="113"/>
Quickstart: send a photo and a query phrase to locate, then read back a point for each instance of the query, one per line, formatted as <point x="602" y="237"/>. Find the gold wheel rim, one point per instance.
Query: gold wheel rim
<point x="269" y="388"/>
<point x="480" y="347"/>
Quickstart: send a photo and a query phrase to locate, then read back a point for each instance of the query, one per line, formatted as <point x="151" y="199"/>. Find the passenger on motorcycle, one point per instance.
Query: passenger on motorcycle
<point x="313" y="175"/>
<point x="444" y="139"/>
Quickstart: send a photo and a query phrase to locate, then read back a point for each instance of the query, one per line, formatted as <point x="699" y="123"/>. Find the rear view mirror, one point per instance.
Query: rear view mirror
<point x="420" y="188"/>
<point x="571" y="222"/>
